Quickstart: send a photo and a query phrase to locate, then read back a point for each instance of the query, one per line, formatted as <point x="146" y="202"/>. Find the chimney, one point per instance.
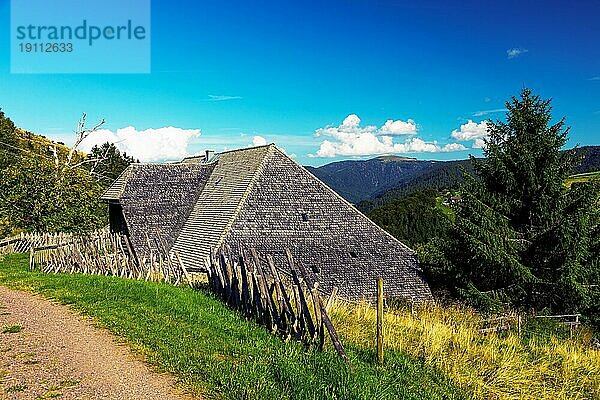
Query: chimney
<point x="209" y="155"/>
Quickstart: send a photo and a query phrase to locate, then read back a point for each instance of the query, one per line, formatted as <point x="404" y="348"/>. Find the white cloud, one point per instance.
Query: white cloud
<point x="351" y="120"/>
<point x="259" y="141"/>
<point x="515" y="52"/>
<point x="486" y="112"/>
<point x="454" y="147"/>
<point x="212" y="97"/>
<point x="479" y="144"/>
<point x="350" y="139"/>
<point x="168" y="143"/>
<point x="399" y="127"/>
<point x="594" y="78"/>
<point x="476" y="132"/>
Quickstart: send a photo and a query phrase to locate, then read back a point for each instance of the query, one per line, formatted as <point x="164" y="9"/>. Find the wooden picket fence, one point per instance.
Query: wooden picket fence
<point x="22" y="243"/>
<point x="110" y="254"/>
<point x="288" y="305"/>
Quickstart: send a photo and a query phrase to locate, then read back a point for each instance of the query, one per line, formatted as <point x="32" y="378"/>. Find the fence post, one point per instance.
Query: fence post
<point x="31" y="258"/>
<point x="519" y="324"/>
<point x="380" y="320"/>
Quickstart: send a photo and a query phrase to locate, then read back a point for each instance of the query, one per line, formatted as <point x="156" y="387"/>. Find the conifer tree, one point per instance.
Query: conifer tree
<point x="521" y="236"/>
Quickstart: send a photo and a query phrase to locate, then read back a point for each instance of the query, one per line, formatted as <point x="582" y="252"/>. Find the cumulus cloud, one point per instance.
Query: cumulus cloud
<point x="399" y="127"/>
<point x="259" y="141"/>
<point x="168" y="143"/>
<point x="515" y="52"/>
<point x="479" y="144"/>
<point x="472" y="131"/>
<point x="352" y="139"/>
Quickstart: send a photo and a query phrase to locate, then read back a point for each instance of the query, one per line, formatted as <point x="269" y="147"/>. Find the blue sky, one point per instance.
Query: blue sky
<point x="227" y="74"/>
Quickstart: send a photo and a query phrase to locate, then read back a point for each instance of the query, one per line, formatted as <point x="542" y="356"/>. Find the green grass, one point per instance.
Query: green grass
<point x="583" y="177"/>
<point x="214" y="351"/>
<point x="16" y="388"/>
<point x="12" y="329"/>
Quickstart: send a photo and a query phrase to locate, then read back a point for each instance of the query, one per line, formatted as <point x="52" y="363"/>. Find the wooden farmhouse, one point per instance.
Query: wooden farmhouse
<point x="260" y="198"/>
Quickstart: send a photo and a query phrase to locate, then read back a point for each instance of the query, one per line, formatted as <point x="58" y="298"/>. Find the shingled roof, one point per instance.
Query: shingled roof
<point x="155" y="201"/>
<point x="259" y="197"/>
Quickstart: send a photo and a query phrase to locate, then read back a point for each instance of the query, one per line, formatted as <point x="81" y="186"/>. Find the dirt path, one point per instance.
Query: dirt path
<point x="59" y="354"/>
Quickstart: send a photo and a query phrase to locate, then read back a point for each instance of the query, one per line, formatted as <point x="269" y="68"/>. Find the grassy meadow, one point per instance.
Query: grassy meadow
<point x="545" y="362"/>
<point x="582" y="177"/>
<point x="214" y="352"/>
<point x="431" y="352"/>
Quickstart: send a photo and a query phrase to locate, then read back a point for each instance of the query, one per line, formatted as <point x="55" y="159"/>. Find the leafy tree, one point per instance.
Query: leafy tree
<point x="40" y="191"/>
<point x="521" y="236"/>
<point x="106" y="163"/>
<point x="33" y="199"/>
<point x="7" y="141"/>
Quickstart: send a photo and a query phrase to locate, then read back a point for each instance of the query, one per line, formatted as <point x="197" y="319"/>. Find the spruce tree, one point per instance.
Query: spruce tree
<point x="521" y="236"/>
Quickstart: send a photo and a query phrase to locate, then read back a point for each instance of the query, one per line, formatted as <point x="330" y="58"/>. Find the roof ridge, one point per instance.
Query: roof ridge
<point x="249" y="188"/>
<point x="248" y="148"/>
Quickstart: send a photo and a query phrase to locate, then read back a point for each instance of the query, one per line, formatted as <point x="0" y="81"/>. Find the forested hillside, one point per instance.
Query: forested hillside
<point x="442" y="176"/>
<point x="416" y="218"/>
<point x="357" y="180"/>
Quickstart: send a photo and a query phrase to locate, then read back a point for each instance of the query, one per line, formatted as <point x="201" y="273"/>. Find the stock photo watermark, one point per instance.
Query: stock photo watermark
<point x="80" y="36"/>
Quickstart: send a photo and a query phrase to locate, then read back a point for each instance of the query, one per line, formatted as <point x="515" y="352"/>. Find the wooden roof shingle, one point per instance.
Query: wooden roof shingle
<point x="219" y="202"/>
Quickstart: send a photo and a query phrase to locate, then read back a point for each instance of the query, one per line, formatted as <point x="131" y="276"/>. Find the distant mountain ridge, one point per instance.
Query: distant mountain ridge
<point x="374" y="182"/>
<point x="358" y="180"/>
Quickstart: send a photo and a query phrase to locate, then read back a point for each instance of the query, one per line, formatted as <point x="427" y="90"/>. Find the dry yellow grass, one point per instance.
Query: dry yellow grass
<point x="486" y="366"/>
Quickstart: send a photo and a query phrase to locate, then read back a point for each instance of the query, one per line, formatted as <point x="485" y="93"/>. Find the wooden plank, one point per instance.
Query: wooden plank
<point x="170" y="264"/>
<point x="258" y="303"/>
<point x="284" y="302"/>
<point x="312" y="326"/>
<point x="228" y="275"/>
<point x="219" y="279"/>
<point x="300" y="326"/>
<point x="237" y="285"/>
<point x="31" y="258"/>
<point x="331" y="299"/>
<point x="326" y="320"/>
<point x="269" y="305"/>
<point x="184" y="269"/>
<point x="246" y="298"/>
<point x="305" y="311"/>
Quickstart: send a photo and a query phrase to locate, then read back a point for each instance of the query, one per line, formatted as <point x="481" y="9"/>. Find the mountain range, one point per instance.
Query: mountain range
<point x="375" y="182"/>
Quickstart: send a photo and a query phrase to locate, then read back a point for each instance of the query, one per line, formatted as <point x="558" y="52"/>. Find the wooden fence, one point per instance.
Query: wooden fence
<point x="515" y="322"/>
<point x="289" y="305"/>
<point x="105" y="253"/>
<point x="22" y="243"/>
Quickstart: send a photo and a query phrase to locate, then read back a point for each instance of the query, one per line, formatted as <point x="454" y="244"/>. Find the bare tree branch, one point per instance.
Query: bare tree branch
<point x="99" y="160"/>
<point x="82" y="134"/>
